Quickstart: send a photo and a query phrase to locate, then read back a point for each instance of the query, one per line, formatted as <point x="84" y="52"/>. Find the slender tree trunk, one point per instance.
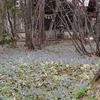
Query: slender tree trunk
<point x="98" y="27"/>
<point x="41" y="33"/>
<point x="14" y="18"/>
<point x="27" y="13"/>
<point x="10" y="22"/>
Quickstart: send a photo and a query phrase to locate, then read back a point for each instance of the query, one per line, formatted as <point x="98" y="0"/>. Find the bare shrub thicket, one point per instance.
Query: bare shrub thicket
<point x="74" y="18"/>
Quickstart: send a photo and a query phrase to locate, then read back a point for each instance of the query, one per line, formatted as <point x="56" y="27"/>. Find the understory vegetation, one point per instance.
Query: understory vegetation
<point x="7" y="39"/>
<point x="41" y="75"/>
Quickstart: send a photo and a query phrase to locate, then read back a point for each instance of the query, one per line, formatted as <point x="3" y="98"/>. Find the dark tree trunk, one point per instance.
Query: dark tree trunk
<point x="11" y="25"/>
<point x="27" y="16"/>
<point x="14" y="18"/>
<point x="41" y="34"/>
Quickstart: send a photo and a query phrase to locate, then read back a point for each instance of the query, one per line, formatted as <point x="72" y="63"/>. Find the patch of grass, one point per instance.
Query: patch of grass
<point x="80" y="91"/>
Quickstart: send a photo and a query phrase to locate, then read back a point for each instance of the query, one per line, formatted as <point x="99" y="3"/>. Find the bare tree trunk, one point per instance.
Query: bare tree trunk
<point x="14" y="18"/>
<point x="98" y="28"/>
<point x="27" y="13"/>
<point x="41" y="34"/>
<point x="10" y="22"/>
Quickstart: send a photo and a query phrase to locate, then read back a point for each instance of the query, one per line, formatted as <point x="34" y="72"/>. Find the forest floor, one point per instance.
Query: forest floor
<point x="57" y="72"/>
